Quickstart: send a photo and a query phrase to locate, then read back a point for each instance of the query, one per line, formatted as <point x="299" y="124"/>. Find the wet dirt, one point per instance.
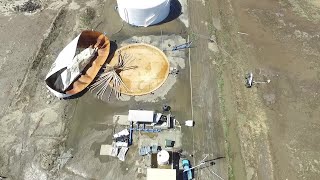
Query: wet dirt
<point x="267" y="132"/>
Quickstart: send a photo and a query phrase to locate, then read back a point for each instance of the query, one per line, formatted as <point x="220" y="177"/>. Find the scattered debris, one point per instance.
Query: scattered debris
<point x="203" y="162"/>
<point x="242" y="33"/>
<point x="145" y="64"/>
<point x="150" y="120"/>
<point x="111" y="77"/>
<point x="139" y="170"/>
<point x="182" y="46"/>
<point x="144" y="150"/>
<point x="155" y="149"/>
<point x="189" y="123"/>
<point x="166" y="108"/>
<point x="122" y="153"/>
<point x="122" y="138"/>
<point x="147" y="130"/>
<point x="250" y="81"/>
<point x="109" y="150"/>
<point x="64" y="158"/>
<point x="249" y="78"/>
<point x="121" y="144"/>
<point x="174" y="71"/>
<point x="124" y="132"/>
<point x="29" y="6"/>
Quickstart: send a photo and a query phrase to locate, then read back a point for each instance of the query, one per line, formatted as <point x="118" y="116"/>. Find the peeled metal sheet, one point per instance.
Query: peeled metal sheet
<point x="54" y="78"/>
<point x="143" y="12"/>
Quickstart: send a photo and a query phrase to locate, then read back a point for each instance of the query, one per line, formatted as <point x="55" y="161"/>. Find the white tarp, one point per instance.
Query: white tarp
<point x="124" y="132"/>
<point x="121" y="144"/>
<point x="76" y="66"/>
<point x="62" y="61"/>
<point x="122" y="153"/>
<point x="73" y="65"/>
<point x="143" y="12"/>
<point x="189" y="123"/>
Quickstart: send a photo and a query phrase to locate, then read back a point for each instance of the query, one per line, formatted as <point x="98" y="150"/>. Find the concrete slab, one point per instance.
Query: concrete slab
<point x="159" y="174"/>
<point x="121" y="120"/>
<point x="106" y="150"/>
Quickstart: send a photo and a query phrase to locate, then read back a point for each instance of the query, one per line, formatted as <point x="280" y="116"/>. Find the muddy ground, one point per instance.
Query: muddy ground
<point x="269" y="131"/>
<point x="277" y="123"/>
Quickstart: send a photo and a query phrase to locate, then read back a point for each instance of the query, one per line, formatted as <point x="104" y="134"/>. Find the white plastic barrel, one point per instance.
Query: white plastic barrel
<point x="163" y="157"/>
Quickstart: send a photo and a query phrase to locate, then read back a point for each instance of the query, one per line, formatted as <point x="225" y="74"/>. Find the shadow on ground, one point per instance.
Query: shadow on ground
<point x="175" y="12"/>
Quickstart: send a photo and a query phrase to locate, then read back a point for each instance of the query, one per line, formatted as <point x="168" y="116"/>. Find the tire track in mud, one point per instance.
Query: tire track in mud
<point x="33" y="71"/>
<point x="208" y="135"/>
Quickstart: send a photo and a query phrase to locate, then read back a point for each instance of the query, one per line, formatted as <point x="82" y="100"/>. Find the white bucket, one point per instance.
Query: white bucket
<point x="163" y="157"/>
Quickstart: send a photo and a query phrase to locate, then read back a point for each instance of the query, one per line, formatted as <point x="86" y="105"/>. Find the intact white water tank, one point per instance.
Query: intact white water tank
<point x="163" y="157"/>
<point x="143" y="12"/>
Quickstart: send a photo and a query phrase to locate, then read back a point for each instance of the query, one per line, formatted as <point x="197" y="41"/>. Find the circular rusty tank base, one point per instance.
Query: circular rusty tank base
<point x="152" y="68"/>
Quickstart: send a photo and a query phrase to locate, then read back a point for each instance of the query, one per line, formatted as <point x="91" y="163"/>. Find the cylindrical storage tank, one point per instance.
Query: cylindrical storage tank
<point x="143" y="12"/>
<point x="163" y="157"/>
